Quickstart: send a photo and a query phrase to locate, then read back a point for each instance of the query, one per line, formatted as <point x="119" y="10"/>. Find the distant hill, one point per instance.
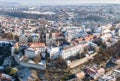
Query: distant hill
<point x="9" y="4"/>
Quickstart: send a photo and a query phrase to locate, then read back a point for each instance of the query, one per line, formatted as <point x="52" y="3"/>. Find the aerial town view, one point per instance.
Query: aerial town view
<point x="59" y="40"/>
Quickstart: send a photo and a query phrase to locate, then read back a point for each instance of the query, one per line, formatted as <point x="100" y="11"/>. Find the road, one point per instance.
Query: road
<point x="111" y="70"/>
<point x="82" y="61"/>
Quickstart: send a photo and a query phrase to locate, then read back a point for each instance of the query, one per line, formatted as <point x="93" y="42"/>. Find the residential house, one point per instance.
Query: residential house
<point x="79" y="40"/>
<point x="80" y="75"/>
<point x="90" y="47"/>
<point x="106" y="37"/>
<point x="40" y="47"/>
<point x="35" y="38"/>
<point x="106" y="78"/>
<point x="88" y="38"/>
<point x="106" y="31"/>
<point x="23" y="39"/>
<point x="94" y="73"/>
<point x="58" y="36"/>
<point x="116" y="60"/>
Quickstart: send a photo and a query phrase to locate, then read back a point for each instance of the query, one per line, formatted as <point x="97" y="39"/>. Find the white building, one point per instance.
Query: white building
<point x="119" y="32"/>
<point x="71" y="51"/>
<point x="106" y="37"/>
<point x="54" y="52"/>
<point x="31" y="52"/>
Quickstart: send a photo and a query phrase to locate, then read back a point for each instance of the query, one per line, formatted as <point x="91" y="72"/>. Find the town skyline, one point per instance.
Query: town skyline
<point x="62" y="2"/>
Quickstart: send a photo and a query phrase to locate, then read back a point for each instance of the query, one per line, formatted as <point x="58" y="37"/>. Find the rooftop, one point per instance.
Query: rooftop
<point x="37" y="45"/>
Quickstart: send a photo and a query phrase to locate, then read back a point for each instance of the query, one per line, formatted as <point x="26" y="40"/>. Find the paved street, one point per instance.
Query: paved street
<point x="114" y="68"/>
<point x="81" y="61"/>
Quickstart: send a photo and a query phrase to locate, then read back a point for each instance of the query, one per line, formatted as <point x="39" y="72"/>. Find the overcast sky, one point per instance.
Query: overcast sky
<point x="61" y="1"/>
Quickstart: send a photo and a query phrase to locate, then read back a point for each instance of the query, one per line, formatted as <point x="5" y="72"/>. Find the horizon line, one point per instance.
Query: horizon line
<point x="44" y="4"/>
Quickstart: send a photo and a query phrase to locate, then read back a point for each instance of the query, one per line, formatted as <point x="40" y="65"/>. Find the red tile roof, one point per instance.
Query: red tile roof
<point x="37" y="45"/>
<point x="80" y="39"/>
<point x="68" y="47"/>
<point x="90" y="71"/>
<point x="58" y="34"/>
<point x="88" y="38"/>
